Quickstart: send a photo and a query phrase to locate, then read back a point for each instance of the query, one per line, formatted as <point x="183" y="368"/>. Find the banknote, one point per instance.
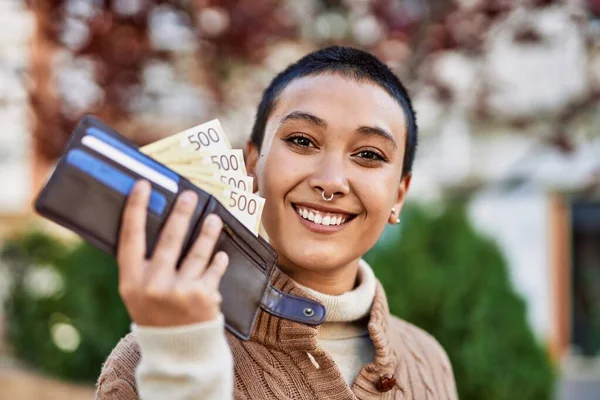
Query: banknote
<point x="204" y="156"/>
<point x="238" y="181"/>
<point x="247" y="208"/>
<point x="230" y="161"/>
<point x="219" y="190"/>
<point x="231" y="190"/>
<point x="234" y="180"/>
<point x="205" y="137"/>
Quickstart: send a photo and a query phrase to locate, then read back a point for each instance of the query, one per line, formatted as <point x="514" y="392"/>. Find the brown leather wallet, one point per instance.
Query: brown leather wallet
<point x="87" y="192"/>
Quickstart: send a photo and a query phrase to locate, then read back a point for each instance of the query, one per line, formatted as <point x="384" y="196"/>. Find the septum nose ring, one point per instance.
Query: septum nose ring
<point x="327" y="198"/>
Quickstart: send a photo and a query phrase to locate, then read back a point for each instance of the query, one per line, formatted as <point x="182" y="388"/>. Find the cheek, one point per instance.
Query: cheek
<point x="378" y="196"/>
<point x="278" y="172"/>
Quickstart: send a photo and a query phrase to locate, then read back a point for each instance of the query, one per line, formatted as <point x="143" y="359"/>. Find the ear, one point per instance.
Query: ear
<point x="252" y="154"/>
<point x="400" y="197"/>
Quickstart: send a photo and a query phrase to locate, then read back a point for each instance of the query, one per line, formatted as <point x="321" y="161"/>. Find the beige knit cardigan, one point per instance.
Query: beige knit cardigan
<point x="275" y="363"/>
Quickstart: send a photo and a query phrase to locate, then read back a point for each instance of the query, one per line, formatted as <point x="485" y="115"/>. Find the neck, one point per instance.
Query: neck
<point x="333" y="282"/>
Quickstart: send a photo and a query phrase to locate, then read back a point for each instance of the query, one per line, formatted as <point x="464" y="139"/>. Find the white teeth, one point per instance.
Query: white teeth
<point x="318" y="218"/>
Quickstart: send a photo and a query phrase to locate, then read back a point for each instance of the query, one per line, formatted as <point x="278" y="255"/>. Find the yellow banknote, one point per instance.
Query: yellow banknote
<point x="205" y="137"/>
<point x="247" y="208"/>
<point x="234" y="180"/>
<point x="230" y="161"/>
<point x="220" y="191"/>
<point x="194" y="170"/>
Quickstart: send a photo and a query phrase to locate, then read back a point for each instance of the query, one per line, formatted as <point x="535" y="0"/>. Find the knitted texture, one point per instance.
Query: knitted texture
<point x="279" y="361"/>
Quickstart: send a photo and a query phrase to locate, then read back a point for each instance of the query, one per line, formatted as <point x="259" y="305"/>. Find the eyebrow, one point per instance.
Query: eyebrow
<point x="321" y="123"/>
<point x="378" y="132"/>
<point x="306" y="117"/>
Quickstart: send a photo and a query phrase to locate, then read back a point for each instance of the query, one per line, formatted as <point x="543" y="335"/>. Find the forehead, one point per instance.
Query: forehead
<point x="342" y="102"/>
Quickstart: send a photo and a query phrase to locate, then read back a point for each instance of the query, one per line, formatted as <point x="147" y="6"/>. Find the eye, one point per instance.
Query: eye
<point x="300" y="141"/>
<point x="369" y="155"/>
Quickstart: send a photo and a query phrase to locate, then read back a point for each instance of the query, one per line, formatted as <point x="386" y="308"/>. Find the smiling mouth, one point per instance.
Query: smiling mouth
<point x="322" y="218"/>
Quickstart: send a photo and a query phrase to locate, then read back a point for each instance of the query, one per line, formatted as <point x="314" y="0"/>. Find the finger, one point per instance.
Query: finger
<point x="213" y="274"/>
<point x="171" y="238"/>
<point x="131" y="248"/>
<point x="199" y="254"/>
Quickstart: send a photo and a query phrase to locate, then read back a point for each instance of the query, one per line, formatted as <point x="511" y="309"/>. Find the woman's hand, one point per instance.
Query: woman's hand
<point x="154" y="291"/>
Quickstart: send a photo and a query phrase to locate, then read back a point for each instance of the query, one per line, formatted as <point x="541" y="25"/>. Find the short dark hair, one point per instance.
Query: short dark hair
<point x="347" y="62"/>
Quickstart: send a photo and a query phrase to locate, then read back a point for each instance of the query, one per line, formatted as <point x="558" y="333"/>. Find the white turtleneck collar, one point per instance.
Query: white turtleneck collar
<point x="347" y="314"/>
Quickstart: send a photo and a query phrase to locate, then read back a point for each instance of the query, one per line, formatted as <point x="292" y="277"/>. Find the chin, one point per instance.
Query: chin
<point x="317" y="259"/>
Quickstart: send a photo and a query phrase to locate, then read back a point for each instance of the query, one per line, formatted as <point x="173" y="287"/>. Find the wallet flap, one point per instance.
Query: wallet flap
<point x="294" y="308"/>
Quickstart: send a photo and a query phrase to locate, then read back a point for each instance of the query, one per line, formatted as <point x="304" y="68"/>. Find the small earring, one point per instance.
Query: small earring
<point x="393" y="213"/>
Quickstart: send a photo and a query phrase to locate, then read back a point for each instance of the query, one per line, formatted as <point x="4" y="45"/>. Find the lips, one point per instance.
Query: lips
<point x="321" y="217"/>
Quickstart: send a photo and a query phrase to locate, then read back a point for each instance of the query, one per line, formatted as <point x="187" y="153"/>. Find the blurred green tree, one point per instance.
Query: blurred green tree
<point x="443" y="276"/>
<point x="64" y="314"/>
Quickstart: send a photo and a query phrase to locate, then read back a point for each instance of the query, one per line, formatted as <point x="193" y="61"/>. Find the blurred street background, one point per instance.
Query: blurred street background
<point x="498" y="252"/>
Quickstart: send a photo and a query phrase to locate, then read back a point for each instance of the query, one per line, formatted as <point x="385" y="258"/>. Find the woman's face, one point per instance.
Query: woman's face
<point x="346" y="138"/>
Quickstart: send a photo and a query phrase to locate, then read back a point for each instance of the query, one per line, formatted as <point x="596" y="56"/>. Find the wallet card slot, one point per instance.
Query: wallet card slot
<point x="132" y="152"/>
<point x="112" y="177"/>
<point x="92" y="209"/>
<point x="140" y="167"/>
<point x="169" y="195"/>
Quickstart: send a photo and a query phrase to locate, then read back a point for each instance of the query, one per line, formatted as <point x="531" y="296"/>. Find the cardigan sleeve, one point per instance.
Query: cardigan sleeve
<point x="186" y="362"/>
<point x="117" y="377"/>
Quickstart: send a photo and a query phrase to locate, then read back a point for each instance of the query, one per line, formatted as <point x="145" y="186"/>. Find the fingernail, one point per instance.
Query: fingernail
<point x="141" y="186"/>
<point x="188" y="197"/>
<point x="222" y="258"/>
<point x="211" y="221"/>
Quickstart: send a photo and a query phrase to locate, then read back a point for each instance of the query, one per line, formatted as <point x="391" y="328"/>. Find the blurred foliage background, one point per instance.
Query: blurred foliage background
<point x="64" y="312"/>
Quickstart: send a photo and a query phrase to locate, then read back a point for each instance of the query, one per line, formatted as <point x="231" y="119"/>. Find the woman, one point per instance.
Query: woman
<point x="331" y="151"/>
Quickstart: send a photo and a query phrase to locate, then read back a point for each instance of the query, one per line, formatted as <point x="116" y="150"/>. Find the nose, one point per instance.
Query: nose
<point x="330" y="177"/>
